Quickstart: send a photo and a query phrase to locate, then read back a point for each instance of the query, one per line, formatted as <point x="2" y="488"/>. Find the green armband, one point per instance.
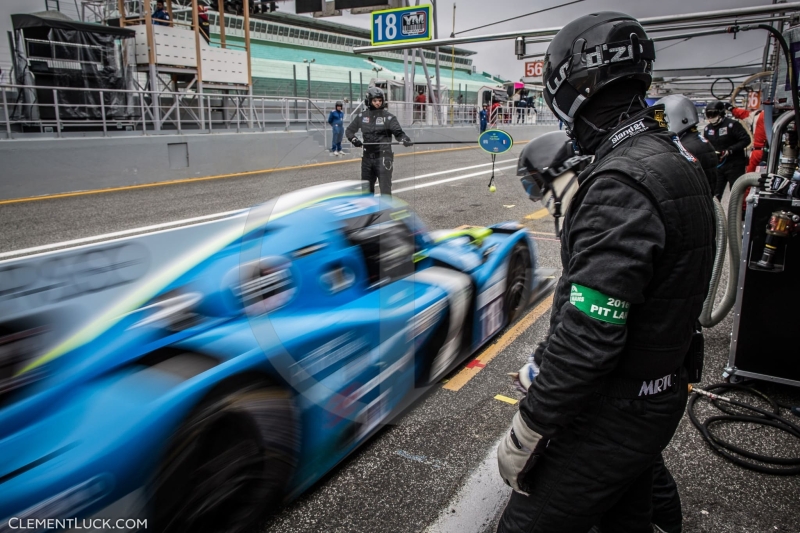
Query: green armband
<point x="597" y="305"/>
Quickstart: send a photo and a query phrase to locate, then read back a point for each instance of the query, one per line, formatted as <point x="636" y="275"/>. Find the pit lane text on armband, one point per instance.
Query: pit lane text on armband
<point x="599" y="306"/>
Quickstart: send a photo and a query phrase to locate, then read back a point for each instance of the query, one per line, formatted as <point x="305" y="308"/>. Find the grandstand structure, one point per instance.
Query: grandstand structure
<point x="109" y="66"/>
<point x="292" y="55"/>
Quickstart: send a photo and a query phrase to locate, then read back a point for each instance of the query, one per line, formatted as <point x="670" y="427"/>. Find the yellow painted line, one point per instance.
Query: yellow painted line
<point x="208" y="178"/>
<point x="466" y="374"/>
<point x="542" y="233"/>
<point x="506" y="399"/>
<point x="541" y="213"/>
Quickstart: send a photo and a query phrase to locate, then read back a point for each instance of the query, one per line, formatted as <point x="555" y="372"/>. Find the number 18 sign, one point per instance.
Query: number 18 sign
<point x="402" y="25"/>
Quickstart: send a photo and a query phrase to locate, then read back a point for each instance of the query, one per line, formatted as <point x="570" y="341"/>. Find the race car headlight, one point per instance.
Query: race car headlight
<point x="18" y="347"/>
<point x="266" y="285"/>
<point x="173" y="310"/>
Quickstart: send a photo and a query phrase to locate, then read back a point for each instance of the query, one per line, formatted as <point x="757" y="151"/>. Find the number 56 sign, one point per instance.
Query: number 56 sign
<point x="533" y="69"/>
<point x="402" y="25"/>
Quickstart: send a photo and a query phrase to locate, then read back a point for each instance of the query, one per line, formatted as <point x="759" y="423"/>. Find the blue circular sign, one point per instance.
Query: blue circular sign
<point x="495" y="141"/>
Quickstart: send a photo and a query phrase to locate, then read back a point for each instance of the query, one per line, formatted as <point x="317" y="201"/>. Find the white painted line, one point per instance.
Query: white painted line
<point x="477" y="503"/>
<point x="107" y="236"/>
<point x="448" y="171"/>
<point x="448" y="180"/>
<point x="187" y="221"/>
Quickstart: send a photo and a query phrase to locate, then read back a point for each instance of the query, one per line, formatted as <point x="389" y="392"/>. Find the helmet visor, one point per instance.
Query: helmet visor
<point x="534" y="186"/>
<point x="712" y="113"/>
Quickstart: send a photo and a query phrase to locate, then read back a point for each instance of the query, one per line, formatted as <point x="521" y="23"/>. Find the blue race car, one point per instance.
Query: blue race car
<point x="240" y="367"/>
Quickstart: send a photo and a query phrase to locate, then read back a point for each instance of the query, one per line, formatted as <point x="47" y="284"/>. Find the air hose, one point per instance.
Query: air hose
<point x="710" y="316"/>
<point x="772" y="417"/>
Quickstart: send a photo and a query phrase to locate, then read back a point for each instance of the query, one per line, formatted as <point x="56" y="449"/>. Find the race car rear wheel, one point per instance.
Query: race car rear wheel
<point x="516" y="295"/>
<point x="228" y="464"/>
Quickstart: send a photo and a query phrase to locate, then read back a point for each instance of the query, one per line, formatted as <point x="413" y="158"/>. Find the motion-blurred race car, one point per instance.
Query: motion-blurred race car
<point x="211" y="384"/>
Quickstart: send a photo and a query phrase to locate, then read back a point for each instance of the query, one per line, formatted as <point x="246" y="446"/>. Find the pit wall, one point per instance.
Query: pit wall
<point x="37" y="167"/>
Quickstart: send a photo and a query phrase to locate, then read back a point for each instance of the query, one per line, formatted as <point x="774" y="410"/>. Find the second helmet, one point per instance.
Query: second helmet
<point x="681" y="112"/>
<point x="374" y="92"/>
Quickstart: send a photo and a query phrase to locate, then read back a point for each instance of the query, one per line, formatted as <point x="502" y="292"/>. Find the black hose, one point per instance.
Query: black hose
<point x="733" y="453"/>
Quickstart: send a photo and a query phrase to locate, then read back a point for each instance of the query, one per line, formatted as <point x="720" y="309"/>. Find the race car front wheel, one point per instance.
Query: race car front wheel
<point x="228" y="464"/>
<point x="516" y="296"/>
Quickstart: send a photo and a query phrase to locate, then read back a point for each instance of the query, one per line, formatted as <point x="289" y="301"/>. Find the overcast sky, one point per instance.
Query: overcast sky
<point x="498" y="57"/>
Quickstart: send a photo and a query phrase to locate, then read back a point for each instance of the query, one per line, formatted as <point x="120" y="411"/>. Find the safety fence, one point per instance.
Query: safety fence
<point x="68" y="112"/>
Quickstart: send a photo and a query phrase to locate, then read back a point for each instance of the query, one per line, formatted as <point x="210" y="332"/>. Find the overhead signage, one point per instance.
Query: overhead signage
<point x="533" y="69"/>
<point x="401" y="25"/>
<point x="754" y="100"/>
<point x="359" y="4"/>
<point x="495" y="141"/>
<point x="307" y="6"/>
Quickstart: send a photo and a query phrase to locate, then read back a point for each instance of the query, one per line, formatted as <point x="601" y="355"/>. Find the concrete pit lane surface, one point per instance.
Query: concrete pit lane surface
<point x="433" y="469"/>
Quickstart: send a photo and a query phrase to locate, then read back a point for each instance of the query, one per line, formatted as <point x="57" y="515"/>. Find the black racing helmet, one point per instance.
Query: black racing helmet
<point x="544" y="159"/>
<point x="374" y="92"/>
<point x="715" y="109"/>
<point x="589" y="53"/>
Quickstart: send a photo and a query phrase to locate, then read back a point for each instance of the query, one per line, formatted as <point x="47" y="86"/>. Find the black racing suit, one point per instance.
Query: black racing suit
<point x="728" y="135"/>
<point x="609" y="395"/>
<point x="702" y="150"/>
<point x="377" y="126"/>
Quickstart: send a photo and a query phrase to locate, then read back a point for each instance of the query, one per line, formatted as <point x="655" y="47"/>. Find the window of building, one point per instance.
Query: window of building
<point x="239" y="23"/>
<point x="304" y="34"/>
<point x="323" y="37"/>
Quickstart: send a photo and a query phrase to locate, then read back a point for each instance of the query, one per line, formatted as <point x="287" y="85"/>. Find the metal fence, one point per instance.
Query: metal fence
<point x="69" y="112"/>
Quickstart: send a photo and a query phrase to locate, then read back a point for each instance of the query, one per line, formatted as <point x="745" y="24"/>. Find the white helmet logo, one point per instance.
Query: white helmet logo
<point x="562" y="75"/>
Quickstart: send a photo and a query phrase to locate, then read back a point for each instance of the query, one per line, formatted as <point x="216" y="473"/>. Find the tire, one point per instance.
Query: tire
<point x="228" y="464"/>
<point x="516" y="296"/>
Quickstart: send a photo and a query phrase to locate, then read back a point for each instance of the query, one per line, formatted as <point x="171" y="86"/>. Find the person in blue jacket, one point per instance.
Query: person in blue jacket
<point x="483" y="117"/>
<point x="160" y="15"/>
<point x="336" y="120"/>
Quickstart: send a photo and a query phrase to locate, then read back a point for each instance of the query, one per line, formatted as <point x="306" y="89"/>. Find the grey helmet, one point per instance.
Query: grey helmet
<point x="375" y="92"/>
<point x="339" y="103"/>
<point x="681" y="112"/>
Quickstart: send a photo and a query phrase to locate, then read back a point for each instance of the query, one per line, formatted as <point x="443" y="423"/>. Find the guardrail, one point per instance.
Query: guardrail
<point x="68" y="112"/>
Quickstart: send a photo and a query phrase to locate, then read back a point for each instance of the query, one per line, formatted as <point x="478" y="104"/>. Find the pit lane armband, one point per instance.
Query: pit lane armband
<point x="599" y="306"/>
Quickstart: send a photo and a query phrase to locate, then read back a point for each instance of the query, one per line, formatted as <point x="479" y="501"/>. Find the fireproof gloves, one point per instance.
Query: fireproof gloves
<point x="356" y="142"/>
<point x="407" y="142"/>
<point x="524" y="378"/>
<point x="518" y="452"/>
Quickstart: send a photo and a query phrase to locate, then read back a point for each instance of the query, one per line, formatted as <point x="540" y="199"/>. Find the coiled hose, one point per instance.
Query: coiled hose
<point x="710" y="316"/>
<point x="781" y="466"/>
